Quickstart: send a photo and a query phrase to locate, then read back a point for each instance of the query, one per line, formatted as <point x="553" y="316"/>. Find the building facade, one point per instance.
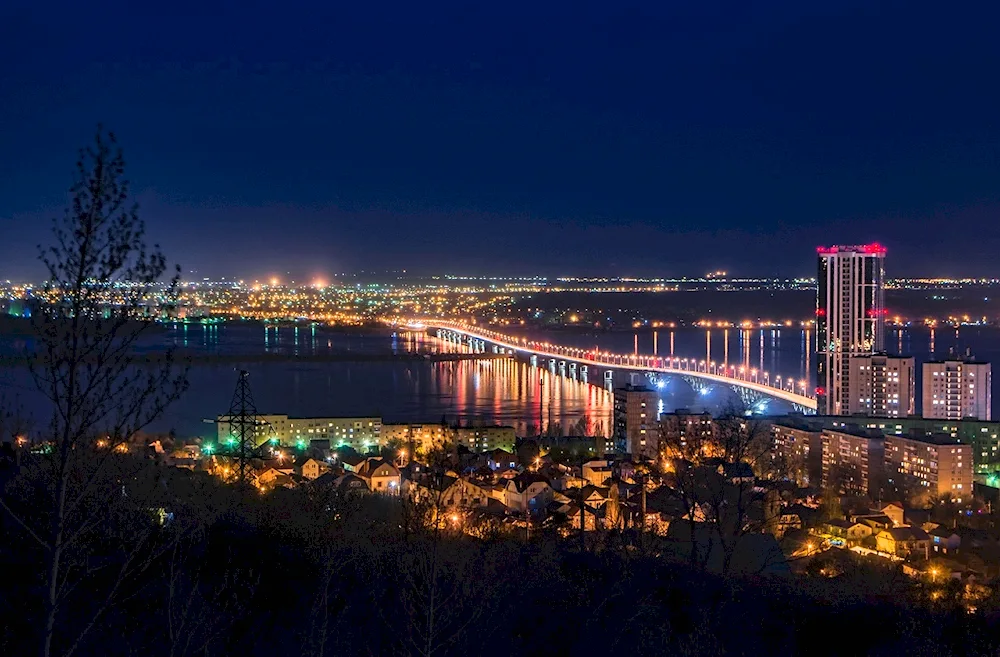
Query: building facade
<point x="937" y="464"/>
<point x="361" y="433"/>
<point x="799" y="451"/>
<point x="850" y="314"/>
<point x="418" y="437"/>
<point x="635" y="416"/>
<point x="955" y="389"/>
<point x="680" y="430"/>
<point x="881" y="386"/>
<point x="425" y="437"/>
<point x="853" y="461"/>
<point x="982" y="436"/>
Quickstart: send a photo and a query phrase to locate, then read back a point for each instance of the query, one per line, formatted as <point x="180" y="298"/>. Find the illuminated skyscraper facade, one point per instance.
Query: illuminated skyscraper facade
<point x="957" y="388"/>
<point x="850" y="318"/>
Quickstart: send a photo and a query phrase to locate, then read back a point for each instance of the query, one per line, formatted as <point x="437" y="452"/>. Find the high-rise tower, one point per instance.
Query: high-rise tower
<point x="850" y="317"/>
<point x="956" y="388"/>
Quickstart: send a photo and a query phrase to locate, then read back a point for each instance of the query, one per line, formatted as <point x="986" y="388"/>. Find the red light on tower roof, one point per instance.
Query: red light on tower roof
<point x="868" y="249"/>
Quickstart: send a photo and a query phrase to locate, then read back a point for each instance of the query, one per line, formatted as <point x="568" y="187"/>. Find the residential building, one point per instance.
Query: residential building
<point x="799" y="451"/>
<point x="957" y="388"/>
<point x="423" y="437"/>
<point x="849" y="531"/>
<point x="597" y="472"/>
<point x="484" y="439"/>
<point x="448" y="491"/>
<point x="894" y="511"/>
<point x="904" y="542"/>
<point x="850" y="309"/>
<point x="361" y="433"/>
<point x="501" y="459"/>
<point x="682" y="429"/>
<point x="983" y="436"/>
<point x="524" y="493"/>
<point x="418" y="437"/>
<point x="466" y="494"/>
<point x="311" y="468"/>
<point x="853" y="461"/>
<point x="635" y="421"/>
<point x="937" y="464"/>
<point x="944" y="540"/>
<point x="881" y="386"/>
<point x="381" y="476"/>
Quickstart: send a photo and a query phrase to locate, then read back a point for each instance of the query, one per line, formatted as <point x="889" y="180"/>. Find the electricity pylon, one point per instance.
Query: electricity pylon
<point x="244" y="424"/>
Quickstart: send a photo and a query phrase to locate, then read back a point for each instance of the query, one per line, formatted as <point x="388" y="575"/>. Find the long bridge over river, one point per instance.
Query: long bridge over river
<point x="594" y="365"/>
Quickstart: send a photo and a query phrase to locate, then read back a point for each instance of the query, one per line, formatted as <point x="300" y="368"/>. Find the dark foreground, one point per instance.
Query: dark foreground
<point x="311" y="572"/>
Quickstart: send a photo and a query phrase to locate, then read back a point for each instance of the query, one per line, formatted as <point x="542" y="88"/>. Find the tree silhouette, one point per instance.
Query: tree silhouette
<point x="104" y="286"/>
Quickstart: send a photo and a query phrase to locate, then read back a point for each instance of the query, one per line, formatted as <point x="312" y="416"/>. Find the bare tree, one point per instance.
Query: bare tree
<point x="200" y="611"/>
<point x="735" y="502"/>
<point x="714" y="476"/>
<point x="103" y="289"/>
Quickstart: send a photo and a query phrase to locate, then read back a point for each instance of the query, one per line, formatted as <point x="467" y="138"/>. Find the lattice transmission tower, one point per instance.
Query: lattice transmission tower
<point x="245" y="426"/>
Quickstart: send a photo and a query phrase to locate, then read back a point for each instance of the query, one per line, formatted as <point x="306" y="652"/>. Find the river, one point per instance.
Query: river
<point x="502" y="391"/>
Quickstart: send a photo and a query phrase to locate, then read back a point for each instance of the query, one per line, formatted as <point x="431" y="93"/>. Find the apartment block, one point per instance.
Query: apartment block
<point x="853" y="461"/>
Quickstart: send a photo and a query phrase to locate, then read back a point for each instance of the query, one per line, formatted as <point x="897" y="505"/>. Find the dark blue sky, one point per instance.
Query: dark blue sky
<point x="659" y="138"/>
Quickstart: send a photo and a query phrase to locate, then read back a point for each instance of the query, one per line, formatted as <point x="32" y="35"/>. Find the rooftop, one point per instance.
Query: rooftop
<point x="867" y="249"/>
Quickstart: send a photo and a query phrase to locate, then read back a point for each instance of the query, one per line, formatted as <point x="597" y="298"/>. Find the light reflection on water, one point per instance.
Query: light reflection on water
<point x="504" y="391"/>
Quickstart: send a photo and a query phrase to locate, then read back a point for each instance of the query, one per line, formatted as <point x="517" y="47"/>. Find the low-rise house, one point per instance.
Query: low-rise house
<point x="349" y="483"/>
<point x="944" y="540"/>
<point x="737" y="473"/>
<point x="894" y="511"/>
<point x="592" y="518"/>
<point x="312" y="468"/>
<point x="508" y="473"/>
<point x="500" y="459"/>
<point x="595" y="496"/>
<point x="465" y="494"/>
<point x="568" y="481"/>
<point x="272" y="477"/>
<point x="876" y="521"/>
<point x="382" y="476"/>
<point x="526" y="493"/>
<point x="787" y="522"/>
<point x="846" y="530"/>
<point x="353" y="462"/>
<point x="597" y="472"/>
<point x="904" y="542"/>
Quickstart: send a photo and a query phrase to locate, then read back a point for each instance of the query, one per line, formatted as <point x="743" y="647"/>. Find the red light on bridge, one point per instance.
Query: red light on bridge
<point x="820" y="391"/>
<point x="821" y="312"/>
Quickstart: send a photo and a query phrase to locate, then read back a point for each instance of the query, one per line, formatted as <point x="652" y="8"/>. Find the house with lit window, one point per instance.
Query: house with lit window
<point x="311" y="468"/>
<point x="904" y="542"/>
<point x="381" y="476"/>
<point x="526" y="492"/>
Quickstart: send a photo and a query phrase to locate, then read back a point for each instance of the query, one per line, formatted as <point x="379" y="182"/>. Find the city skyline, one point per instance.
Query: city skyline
<point x="708" y="138"/>
<point x="378" y="327"/>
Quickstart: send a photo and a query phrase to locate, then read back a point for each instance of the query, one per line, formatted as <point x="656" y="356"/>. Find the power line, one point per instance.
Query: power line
<point x="244" y="425"/>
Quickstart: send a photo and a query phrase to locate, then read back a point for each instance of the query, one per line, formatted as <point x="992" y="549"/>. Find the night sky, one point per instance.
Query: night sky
<point x="658" y="138"/>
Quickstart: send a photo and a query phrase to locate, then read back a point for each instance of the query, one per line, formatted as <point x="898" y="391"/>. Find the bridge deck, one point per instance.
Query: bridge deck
<point x="613" y="361"/>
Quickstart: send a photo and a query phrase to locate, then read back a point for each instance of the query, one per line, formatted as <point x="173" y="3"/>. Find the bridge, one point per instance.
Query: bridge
<point x="750" y="383"/>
